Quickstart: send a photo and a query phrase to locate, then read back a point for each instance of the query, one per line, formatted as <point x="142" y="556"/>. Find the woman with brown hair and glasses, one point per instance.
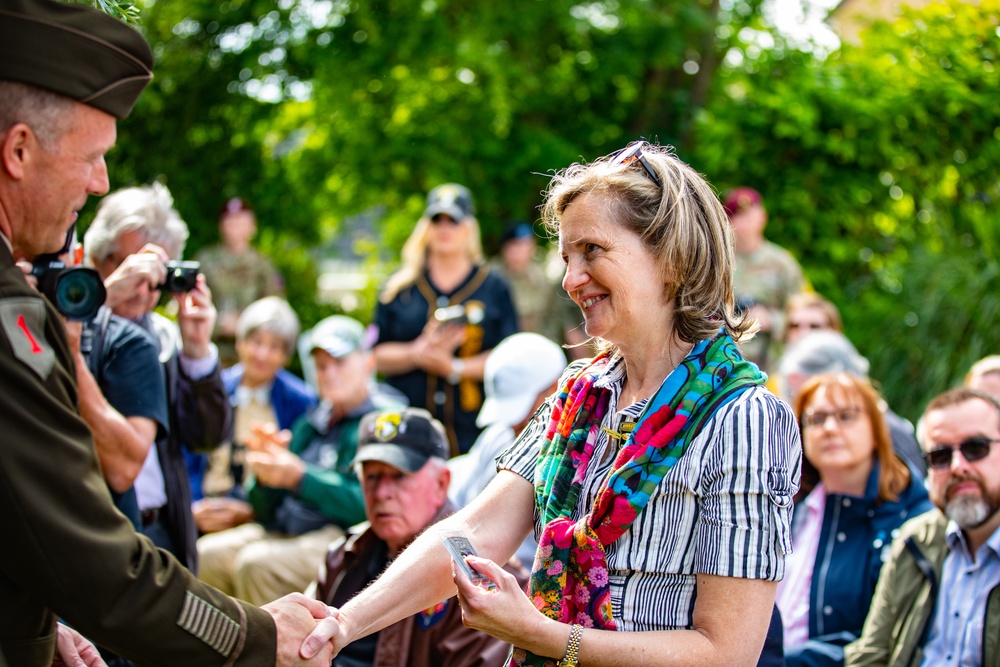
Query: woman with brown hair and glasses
<point x="658" y="478"/>
<point x="441" y="313"/>
<point x="855" y="493"/>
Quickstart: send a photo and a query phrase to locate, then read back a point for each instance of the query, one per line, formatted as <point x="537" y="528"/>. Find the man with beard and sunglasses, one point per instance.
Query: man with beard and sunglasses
<point x="938" y="599"/>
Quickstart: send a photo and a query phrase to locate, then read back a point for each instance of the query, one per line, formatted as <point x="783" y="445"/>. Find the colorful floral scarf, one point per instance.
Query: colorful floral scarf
<point x="569" y="580"/>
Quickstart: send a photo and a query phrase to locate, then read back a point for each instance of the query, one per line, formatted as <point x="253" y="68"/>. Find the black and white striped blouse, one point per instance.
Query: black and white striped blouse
<point x="725" y="508"/>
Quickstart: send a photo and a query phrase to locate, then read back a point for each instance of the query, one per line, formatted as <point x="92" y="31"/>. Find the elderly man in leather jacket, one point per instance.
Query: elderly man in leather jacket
<point x="401" y="460"/>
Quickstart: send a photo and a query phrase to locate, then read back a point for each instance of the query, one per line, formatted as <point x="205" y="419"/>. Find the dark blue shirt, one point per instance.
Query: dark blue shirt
<point x="124" y="360"/>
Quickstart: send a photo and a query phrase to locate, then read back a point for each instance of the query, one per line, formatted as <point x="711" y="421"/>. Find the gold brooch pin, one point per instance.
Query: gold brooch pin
<point x="619" y="436"/>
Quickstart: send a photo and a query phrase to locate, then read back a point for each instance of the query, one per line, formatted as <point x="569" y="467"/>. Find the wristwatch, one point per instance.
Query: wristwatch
<point x="572" y="647"/>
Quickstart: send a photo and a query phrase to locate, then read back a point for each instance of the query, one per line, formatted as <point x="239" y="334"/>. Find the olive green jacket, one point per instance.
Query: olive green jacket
<point x="902" y="610"/>
<point x="66" y="550"/>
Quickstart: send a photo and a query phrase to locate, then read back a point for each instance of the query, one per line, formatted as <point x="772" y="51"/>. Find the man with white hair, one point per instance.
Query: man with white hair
<point x="938" y="598"/>
<point x="135" y="232"/>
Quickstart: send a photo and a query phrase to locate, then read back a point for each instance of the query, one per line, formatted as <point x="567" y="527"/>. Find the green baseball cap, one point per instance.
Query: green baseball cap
<point x="75" y="51"/>
<point x="338" y="336"/>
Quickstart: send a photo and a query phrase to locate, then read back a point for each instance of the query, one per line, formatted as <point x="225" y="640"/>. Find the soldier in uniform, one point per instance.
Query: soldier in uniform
<point x="237" y="274"/>
<point x="529" y="287"/>
<point x="66" y="73"/>
<point x="766" y="276"/>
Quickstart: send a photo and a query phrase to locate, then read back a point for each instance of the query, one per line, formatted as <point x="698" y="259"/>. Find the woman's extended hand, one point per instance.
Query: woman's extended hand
<point x="504" y="613"/>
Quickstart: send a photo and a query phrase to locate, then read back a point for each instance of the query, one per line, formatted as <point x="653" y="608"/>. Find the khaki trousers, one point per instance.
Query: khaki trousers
<point x="252" y="564"/>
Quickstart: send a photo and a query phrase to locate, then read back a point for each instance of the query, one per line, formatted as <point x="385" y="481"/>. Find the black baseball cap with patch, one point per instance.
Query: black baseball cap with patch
<point x="451" y="199"/>
<point x="404" y="438"/>
<point x="75" y="51"/>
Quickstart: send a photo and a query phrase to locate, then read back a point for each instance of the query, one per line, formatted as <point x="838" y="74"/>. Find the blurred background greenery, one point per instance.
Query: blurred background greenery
<point x="879" y="161"/>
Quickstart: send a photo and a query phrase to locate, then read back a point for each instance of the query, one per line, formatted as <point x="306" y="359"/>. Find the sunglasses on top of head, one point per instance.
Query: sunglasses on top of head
<point x="973" y="449"/>
<point x="632" y="154"/>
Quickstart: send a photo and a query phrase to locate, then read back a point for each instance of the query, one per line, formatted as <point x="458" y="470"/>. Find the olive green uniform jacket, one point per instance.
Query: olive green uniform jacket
<point x="902" y="610"/>
<point x="768" y="277"/>
<point x="66" y="551"/>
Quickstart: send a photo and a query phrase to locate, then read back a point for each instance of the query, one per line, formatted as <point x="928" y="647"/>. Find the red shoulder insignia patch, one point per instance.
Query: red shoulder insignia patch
<point x="23" y="321"/>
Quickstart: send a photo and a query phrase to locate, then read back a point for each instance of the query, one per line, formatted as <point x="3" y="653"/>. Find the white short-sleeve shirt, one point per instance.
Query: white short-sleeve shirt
<point x="725" y="508"/>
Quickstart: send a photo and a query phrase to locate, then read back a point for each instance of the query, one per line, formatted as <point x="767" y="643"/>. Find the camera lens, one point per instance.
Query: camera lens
<point x="79" y="293"/>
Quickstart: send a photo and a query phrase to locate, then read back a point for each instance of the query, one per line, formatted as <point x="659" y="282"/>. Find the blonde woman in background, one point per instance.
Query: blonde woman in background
<point x="440" y="315"/>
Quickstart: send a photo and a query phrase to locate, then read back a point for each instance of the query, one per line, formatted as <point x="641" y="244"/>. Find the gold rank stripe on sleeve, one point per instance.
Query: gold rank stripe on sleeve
<point x="209" y="624"/>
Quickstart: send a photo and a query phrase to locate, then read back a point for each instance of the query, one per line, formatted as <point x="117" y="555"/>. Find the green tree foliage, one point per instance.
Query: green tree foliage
<point x="880" y="168"/>
<point x="121" y="9"/>
<point x="409" y="95"/>
<point x="319" y="109"/>
<point x="198" y="130"/>
<point x="879" y="163"/>
<point x="316" y="110"/>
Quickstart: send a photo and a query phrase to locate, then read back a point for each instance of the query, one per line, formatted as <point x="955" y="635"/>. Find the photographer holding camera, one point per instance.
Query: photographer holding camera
<point x="135" y="235"/>
<point x="114" y="360"/>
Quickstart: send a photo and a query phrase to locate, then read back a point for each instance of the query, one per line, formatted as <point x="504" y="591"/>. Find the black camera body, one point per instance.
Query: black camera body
<point x="181" y="277"/>
<point x="77" y="292"/>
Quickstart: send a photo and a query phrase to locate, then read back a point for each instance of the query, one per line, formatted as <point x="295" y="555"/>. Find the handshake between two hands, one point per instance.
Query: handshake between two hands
<point x="307" y="634"/>
<point x="308" y="631"/>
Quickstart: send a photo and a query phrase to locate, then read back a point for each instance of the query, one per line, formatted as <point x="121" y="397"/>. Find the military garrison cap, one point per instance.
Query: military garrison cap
<point x="75" y="51"/>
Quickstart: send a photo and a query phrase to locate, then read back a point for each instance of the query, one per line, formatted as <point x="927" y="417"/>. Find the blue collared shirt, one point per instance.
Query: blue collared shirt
<point x="956" y="637"/>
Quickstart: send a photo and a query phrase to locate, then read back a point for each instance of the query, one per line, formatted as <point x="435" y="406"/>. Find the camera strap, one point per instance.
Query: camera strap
<point x="92" y="341"/>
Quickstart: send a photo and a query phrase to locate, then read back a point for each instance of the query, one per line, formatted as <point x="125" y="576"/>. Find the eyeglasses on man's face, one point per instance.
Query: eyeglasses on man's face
<point x="973" y="449"/>
<point x="633" y="153"/>
<point x="841" y="416"/>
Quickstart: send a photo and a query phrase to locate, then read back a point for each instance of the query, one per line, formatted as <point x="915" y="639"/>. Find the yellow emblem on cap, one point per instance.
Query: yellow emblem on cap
<point x="387" y="426"/>
<point x="448" y="194"/>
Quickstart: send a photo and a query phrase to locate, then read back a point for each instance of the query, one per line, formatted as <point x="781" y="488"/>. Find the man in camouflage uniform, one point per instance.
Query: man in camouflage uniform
<point x="529" y="287"/>
<point x="67" y="72"/>
<point x="765" y="277"/>
<point x="236" y="273"/>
